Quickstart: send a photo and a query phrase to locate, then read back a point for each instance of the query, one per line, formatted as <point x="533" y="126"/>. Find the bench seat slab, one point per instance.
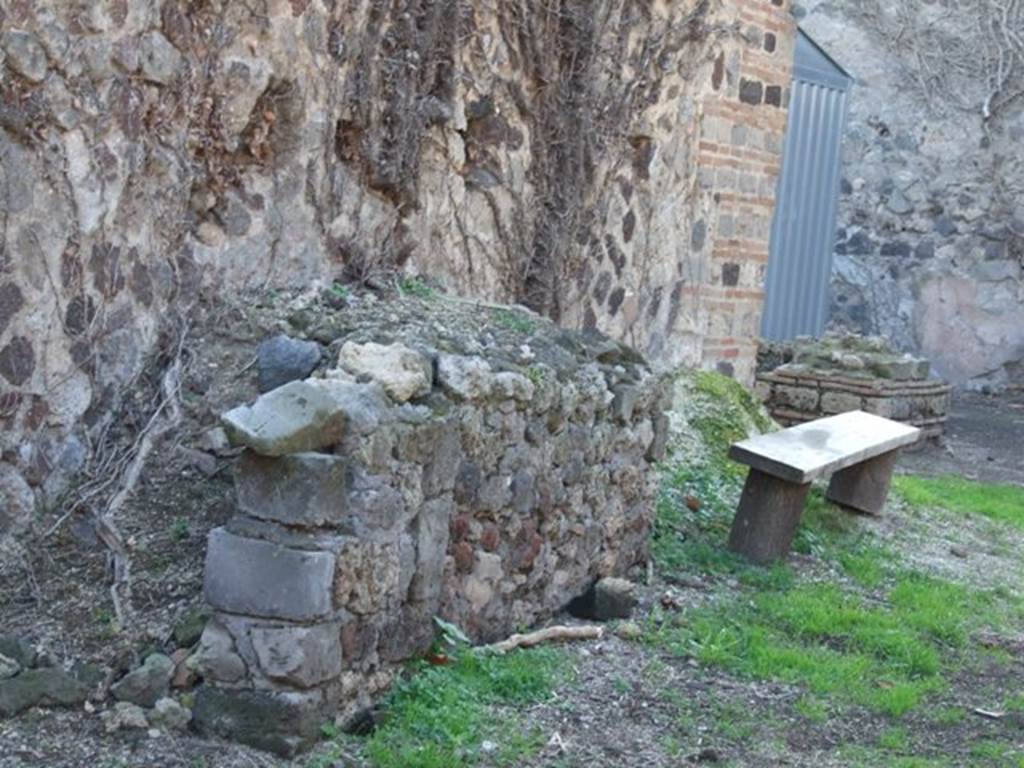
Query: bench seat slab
<point x="818" y="448"/>
<point x="865" y="486"/>
<point x="767" y="518"/>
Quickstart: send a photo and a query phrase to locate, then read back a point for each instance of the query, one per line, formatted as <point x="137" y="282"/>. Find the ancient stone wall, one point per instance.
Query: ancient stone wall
<point x="930" y="248"/>
<point x="487" y="488"/>
<point x="609" y="163"/>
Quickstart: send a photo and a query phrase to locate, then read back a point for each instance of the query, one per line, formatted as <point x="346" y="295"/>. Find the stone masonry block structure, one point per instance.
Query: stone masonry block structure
<point x="473" y="487"/>
<point x="842" y="373"/>
<point x="611" y="164"/>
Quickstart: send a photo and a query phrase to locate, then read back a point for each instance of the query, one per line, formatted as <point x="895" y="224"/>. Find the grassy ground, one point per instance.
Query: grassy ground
<point x="892" y="642"/>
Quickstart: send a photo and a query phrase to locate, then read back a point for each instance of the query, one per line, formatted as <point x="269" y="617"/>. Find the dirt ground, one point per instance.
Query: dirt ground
<point x="984" y="441"/>
<point x="628" y="704"/>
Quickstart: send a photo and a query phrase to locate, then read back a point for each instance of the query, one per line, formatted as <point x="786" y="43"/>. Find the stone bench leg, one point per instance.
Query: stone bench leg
<point x="768" y="515"/>
<point x="865" y="486"/>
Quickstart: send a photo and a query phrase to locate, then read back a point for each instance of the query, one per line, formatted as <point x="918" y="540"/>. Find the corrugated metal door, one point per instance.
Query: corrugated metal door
<point x="803" y="231"/>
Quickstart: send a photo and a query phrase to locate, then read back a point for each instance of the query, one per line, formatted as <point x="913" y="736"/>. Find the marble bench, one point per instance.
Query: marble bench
<point x="857" y="449"/>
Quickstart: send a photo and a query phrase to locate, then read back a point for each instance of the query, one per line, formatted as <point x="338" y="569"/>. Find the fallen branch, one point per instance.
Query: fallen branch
<point x="547" y="635"/>
<point x="989" y="714"/>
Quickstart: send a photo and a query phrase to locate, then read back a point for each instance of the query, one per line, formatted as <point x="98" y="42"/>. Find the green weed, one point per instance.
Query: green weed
<point x="514" y="321"/>
<point x="537" y="375"/>
<point x="416" y="286"/>
<point x="109" y="627"/>
<point x="895" y="739"/>
<point x="1004" y="503"/>
<point x="180" y="529"/>
<point x="813" y="708"/>
<point x="948" y="716"/>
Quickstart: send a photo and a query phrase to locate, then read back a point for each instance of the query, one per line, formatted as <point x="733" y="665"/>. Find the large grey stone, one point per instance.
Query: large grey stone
<point x="258" y="578"/>
<point x="300" y="656"/>
<point x="24" y="54"/>
<point x="39" y="687"/>
<point x="160" y="60"/>
<point x="147" y="684"/>
<point x="217" y="659"/>
<point x="442" y="465"/>
<point x="300" y="416"/>
<point x="17" y="502"/>
<point x="8" y="667"/>
<point x="624" y="404"/>
<point x="373" y="503"/>
<point x="300" y="489"/>
<point x="189" y="628"/>
<point x="18" y="649"/>
<point x="283" y="723"/>
<point x="169" y="714"/>
<point x="432" y="530"/>
<point x="509" y="385"/>
<point x="464" y="378"/>
<point x="282" y="359"/>
<point x="404" y="373"/>
<point x="124" y="716"/>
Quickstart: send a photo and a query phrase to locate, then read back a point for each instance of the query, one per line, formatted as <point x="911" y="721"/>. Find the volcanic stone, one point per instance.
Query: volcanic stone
<point x="282" y="359"/>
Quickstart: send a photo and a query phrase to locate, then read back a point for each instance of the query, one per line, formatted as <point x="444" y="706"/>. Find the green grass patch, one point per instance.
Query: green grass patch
<point x="886" y="655"/>
<point x="1004" y="503"/>
<point x="439" y="717"/>
<point x="860" y="756"/>
<point x="997" y="753"/>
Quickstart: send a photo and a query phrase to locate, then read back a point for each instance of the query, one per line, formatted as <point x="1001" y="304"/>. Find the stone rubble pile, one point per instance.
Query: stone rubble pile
<point x="408" y="484"/>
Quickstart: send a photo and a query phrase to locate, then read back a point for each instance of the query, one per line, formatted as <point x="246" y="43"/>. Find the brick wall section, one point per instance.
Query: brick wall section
<point x="739" y="157"/>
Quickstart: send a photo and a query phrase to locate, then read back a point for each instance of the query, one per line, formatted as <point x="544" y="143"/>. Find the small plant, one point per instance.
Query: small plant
<point x="340" y="291"/>
<point x="514" y="321"/>
<point x="451" y="636"/>
<point x="894" y="739"/>
<point x="180" y="529"/>
<point x="950" y="716"/>
<point x="109" y="627"/>
<point x="416" y="286"/>
<point x="813" y="708"/>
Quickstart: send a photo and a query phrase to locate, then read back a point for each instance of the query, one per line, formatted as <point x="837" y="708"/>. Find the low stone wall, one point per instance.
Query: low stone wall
<point x="794" y="395"/>
<point x="808" y="378"/>
<point x="411" y="483"/>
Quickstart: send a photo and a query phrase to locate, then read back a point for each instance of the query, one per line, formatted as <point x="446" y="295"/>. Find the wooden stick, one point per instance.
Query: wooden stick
<point x="547" y="635"/>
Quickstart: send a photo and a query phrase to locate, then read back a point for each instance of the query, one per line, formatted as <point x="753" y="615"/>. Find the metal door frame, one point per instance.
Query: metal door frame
<point x="797" y="283"/>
